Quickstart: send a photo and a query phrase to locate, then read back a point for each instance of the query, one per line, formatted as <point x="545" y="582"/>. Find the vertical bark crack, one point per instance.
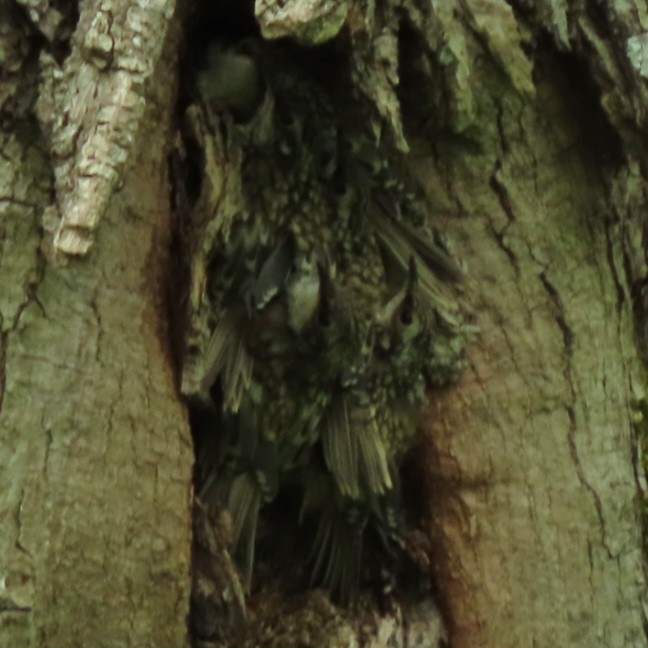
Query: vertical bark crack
<point x="499" y="189"/>
<point x="4" y="335"/>
<point x="19" y="525"/>
<point x="48" y="447"/>
<point x="609" y="252"/>
<point x="4" y="339"/>
<point x="568" y="345"/>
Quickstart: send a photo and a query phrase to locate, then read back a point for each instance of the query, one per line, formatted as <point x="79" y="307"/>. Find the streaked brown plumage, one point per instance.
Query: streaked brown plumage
<point x="329" y="315"/>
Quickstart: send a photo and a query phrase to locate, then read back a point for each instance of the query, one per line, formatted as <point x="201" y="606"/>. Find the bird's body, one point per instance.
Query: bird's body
<point x="325" y="299"/>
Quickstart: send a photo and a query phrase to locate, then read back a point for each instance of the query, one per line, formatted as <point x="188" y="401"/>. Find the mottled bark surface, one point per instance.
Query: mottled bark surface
<point x="95" y="449"/>
<point x="533" y="491"/>
<point x="534" y="487"/>
<point x="526" y="125"/>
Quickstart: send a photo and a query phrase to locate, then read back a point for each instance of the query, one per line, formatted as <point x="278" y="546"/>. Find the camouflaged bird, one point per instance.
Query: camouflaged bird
<point x="320" y="304"/>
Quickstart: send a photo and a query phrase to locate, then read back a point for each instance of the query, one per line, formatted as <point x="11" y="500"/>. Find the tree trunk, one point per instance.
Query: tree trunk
<point x="96" y="453"/>
<point x="525" y="124"/>
<point x="537" y="533"/>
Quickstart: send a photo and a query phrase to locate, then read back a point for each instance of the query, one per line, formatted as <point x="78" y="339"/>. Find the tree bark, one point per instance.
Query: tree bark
<point x="526" y="127"/>
<point x="535" y="490"/>
<point x="96" y="453"/>
<point x="537" y="531"/>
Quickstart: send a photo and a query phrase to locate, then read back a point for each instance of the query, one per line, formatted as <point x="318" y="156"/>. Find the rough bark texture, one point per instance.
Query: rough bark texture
<point x="533" y="484"/>
<point x="538" y="535"/>
<point x="96" y="454"/>
<point x="526" y="123"/>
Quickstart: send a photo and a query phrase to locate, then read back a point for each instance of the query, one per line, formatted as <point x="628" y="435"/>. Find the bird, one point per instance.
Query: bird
<point x="331" y="311"/>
